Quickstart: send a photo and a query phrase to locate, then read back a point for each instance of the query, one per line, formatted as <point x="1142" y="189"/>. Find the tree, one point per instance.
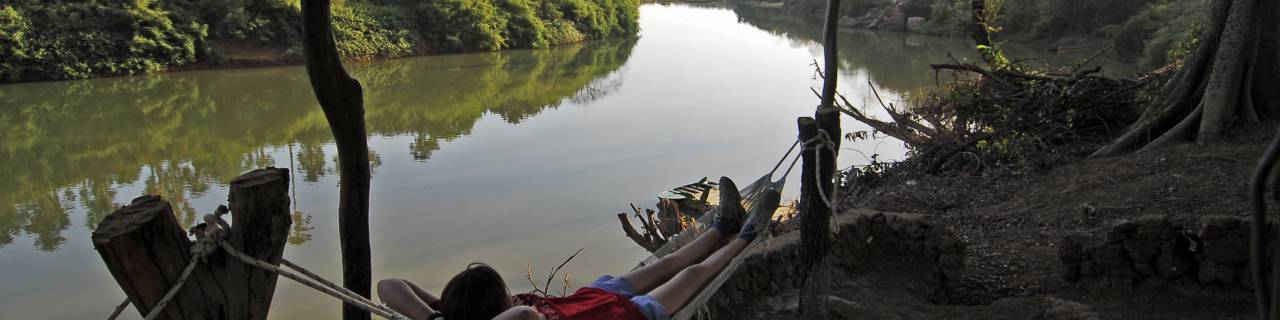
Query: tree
<point x="342" y="100"/>
<point x="1222" y="82"/>
<point x="821" y="138"/>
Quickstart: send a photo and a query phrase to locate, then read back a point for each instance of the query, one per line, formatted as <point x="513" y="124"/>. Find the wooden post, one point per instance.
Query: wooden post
<point x="145" y="250"/>
<point x="821" y="138"/>
<point x="342" y="99"/>
<point x="815" y="225"/>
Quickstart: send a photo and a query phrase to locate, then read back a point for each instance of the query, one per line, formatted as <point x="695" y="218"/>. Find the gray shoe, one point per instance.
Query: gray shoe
<point x="766" y="204"/>
<point x="729" y="219"/>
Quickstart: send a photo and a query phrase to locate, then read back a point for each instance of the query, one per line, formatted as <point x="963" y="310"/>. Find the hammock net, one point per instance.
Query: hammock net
<point x="753" y="196"/>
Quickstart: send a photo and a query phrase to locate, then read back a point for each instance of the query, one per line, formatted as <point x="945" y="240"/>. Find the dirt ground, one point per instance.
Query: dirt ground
<point x="1012" y="223"/>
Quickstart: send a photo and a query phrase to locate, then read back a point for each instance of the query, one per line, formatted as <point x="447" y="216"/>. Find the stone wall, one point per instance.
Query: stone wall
<point x="1151" y="248"/>
<point x="862" y="240"/>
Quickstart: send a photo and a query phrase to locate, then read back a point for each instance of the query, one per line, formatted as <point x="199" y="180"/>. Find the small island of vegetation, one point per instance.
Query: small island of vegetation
<point x="42" y="40"/>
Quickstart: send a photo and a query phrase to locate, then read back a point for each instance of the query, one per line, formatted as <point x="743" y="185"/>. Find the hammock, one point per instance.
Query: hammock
<point x="751" y="194"/>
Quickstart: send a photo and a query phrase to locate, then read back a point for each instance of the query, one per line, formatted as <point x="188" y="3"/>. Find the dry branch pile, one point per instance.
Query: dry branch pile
<point x="1009" y="116"/>
<point x="670" y="220"/>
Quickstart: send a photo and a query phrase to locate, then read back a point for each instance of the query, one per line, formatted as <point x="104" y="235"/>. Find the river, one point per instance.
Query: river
<point x="513" y="158"/>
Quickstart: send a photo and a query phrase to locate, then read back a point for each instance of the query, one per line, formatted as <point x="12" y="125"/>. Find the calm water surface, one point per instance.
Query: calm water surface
<point x="511" y="158"/>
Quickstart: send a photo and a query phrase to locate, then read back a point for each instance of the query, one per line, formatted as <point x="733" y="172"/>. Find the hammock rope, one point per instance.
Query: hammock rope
<point x="750" y="193"/>
<point x="696" y="307"/>
<point x="211" y="236"/>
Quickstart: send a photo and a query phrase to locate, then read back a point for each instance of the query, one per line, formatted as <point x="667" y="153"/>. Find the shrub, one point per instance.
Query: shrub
<point x="524" y="28"/>
<point x="461" y="25"/>
<point x="265" y="21"/>
<point x="1165" y="31"/>
<point x="13" y="42"/>
<point x="359" y="34"/>
<point x="83" y="39"/>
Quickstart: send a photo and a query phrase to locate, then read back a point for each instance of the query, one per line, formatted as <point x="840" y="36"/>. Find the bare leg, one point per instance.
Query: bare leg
<point x="675" y="293"/>
<point x="648" y="277"/>
<point x="402" y="297"/>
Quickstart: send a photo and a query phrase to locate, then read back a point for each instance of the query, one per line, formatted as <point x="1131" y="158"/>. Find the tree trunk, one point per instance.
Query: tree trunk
<point x="146" y="251"/>
<point x="1267" y="66"/>
<point x="1224" y="79"/>
<point x="341" y="98"/>
<point x="818" y="177"/>
<point x="978" y="29"/>
<point x="1223" y="92"/>
<point x="815" y="224"/>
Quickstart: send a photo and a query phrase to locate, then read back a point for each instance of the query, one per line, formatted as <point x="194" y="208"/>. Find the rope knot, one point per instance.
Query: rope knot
<point x="210" y="233"/>
<point x="821" y="140"/>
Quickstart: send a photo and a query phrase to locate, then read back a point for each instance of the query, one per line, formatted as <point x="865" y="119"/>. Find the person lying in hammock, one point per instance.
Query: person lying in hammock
<point x="653" y="292"/>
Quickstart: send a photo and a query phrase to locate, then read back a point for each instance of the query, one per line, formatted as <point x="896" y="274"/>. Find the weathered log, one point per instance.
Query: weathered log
<point x="652" y="224"/>
<point x="650" y="231"/>
<point x="259" y="202"/>
<point x="639" y="239"/>
<point x="146" y="250"/>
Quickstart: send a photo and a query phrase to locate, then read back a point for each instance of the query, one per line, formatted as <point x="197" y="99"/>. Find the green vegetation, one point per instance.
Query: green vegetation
<point x="43" y="40"/>
<point x="1142" y="30"/>
<point x="58" y="40"/>
<point x="1152" y="32"/>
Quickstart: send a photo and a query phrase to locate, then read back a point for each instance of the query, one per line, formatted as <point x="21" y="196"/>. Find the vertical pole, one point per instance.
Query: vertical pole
<point x="342" y="100"/>
<point x="821" y="137"/>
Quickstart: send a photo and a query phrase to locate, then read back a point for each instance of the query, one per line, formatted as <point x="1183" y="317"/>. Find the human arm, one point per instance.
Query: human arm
<point x="519" y="313"/>
<point x="406" y="298"/>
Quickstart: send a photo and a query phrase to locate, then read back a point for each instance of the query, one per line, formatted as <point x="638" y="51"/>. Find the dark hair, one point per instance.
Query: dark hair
<point x="477" y="293"/>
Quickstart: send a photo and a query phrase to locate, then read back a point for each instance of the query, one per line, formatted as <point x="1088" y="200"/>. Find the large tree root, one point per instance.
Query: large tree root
<point x="1219" y="84"/>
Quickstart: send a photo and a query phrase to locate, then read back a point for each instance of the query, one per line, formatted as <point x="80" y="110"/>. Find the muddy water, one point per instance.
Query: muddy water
<point x="511" y="158"/>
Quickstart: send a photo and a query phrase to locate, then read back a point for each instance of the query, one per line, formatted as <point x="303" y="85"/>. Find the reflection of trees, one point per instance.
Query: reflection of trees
<point x="895" y="61"/>
<point x="311" y="162"/>
<point x="45" y="217"/>
<point x="69" y="146"/>
<point x="300" y="230"/>
<point x="898" y="62"/>
<point x="441" y="98"/>
<point x="97" y="197"/>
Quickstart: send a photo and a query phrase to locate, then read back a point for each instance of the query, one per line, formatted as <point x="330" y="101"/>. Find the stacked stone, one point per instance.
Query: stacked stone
<point x="878" y="237"/>
<point x="864" y="238"/>
<point x="1151" y="247"/>
<point x="1147" y="247"/>
<point x="1225" y="256"/>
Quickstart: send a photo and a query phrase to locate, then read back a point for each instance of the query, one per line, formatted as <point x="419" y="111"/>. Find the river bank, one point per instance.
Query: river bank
<point x="237" y="55"/>
<point x="1001" y="162"/>
<point x="1020" y="232"/>
<point x="58" y="41"/>
<point x="1147" y="33"/>
<point x="1015" y="233"/>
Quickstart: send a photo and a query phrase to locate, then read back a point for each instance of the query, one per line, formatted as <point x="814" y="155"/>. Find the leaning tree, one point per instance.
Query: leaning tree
<point x="1229" y="78"/>
<point x="342" y="100"/>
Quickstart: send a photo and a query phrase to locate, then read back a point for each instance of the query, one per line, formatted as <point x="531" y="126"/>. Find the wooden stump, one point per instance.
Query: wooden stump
<point x="146" y="250"/>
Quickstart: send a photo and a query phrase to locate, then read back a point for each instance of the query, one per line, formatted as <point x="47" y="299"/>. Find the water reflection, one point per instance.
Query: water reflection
<point x="899" y="61"/>
<point x="73" y="146"/>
